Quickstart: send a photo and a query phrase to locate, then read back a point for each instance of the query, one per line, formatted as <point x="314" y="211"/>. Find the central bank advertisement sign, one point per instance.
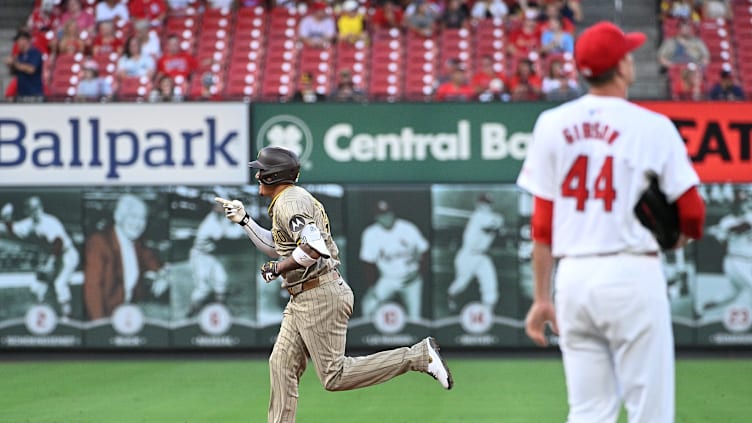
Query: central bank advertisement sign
<point x="435" y="142"/>
<point x="123" y="144"/>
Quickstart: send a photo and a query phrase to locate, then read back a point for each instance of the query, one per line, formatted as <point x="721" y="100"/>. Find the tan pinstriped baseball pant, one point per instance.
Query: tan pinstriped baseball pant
<point x="315" y="325"/>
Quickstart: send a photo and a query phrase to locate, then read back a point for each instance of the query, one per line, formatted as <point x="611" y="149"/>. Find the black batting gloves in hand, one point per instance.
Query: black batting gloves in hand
<point x="269" y="271"/>
<point x="234" y="210"/>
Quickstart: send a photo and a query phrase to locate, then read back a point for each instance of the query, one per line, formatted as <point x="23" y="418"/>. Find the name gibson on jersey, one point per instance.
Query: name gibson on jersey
<point x="590" y="131"/>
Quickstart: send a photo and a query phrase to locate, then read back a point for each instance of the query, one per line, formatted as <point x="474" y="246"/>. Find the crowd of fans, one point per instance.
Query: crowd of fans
<point x="536" y="62"/>
<point x="685" y="56"/>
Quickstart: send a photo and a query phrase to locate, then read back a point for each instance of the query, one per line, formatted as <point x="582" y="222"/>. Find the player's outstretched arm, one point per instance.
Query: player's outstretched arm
<point x="261" y="238"/>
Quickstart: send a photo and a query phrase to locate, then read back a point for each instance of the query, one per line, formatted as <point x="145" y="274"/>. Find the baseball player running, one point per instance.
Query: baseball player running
<point x="586" y="168"/>
<point x="397" y="248"/>
<point x="315" y="319"/>
<point x="472" y="260"/>
<point x="61" y="263"/>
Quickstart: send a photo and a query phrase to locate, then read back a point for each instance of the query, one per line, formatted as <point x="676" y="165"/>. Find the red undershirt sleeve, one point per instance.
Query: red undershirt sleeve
<point x="542" y="220"/>
<point x="691" y="213"/>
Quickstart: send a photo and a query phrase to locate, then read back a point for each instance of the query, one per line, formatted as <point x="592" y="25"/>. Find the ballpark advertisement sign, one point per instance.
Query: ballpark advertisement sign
<point x="435" y="142"/>
<point x="717" y="134"/>
<point x="123" y="144"/>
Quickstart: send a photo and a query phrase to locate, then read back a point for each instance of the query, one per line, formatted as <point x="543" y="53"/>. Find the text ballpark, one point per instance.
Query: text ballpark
<point x="83" y="144"/>
<point x="343" y="145"/>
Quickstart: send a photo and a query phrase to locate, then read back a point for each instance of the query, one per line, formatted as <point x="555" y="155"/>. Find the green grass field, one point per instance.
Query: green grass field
<point x="227" y="391"/>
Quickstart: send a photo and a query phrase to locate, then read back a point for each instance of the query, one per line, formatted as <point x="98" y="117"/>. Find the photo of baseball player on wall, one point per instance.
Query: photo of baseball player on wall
<point x="390" y="275"/>
<point x="126" y="281"/>
<point x="40" y="268"/>
<point x="474" y="260"/>
<point x="212" y="270"/>
<point x="723" y="297"/>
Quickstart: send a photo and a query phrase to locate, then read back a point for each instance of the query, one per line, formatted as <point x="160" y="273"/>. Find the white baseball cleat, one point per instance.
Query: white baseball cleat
<point x="436" y="365"/>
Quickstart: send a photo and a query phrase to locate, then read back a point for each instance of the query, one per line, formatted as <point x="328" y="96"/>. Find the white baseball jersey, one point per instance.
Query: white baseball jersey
<point x="48" y="228"/>
<point x="481" y="229"/>
<point x="590" y="157"/>
<point x="396" y="251"/>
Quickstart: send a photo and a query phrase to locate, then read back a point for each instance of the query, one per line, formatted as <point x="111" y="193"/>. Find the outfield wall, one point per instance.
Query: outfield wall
<point x="430" y="162"/>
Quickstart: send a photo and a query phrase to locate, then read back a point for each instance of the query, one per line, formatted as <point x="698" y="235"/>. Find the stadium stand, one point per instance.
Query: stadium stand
<point x="252" y="53"/>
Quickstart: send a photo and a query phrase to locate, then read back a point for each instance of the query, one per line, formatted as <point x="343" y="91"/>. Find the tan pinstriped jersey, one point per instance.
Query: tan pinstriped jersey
<point x="291" y="210"/>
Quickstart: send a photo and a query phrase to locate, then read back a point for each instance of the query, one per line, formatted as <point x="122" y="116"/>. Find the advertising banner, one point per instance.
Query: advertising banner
<point x="123" y="144"/>
<point x="422" y="142"/>
<point x="718" y="137"/>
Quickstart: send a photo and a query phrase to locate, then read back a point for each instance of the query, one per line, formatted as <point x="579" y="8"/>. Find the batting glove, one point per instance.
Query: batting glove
<point x="269" y="271"/>
<point x="234" y="211"/>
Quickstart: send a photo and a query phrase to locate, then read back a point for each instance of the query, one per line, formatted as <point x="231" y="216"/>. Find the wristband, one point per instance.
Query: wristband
<point x="244" y="220"/>
<point x="302" y="258"/>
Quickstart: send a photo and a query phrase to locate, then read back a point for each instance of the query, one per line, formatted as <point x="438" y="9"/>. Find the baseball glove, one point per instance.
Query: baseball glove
<point x="659" y="216"/>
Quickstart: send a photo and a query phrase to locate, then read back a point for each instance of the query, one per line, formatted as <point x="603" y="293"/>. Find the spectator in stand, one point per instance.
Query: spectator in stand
<point x="210" y="89"/>
<point x="230" y="4"/>
<point x="175" y="62"/>
<point x="351" y="24"/>
<point x="726" y="89"/>
<point x="306" y="92"/>
<point x="525" y="84"/>
<point x="70" y="41"/>
<point x="450" y="64"/>
<point x="111" y="10"/>
<point x="152" y="11"/>
<point x="43" y="24"/>
<point x="557" y="85"/>
<point x="84" y="20"/>
<point x="165" y="91"/>
<point x="554" y="40"/>
<point x="105" y="42"/>
<point x="346" y="90"/>
<point x="44" y="18"/>
<point x="688" y="86"/>
<point x="318" y="29"/>
<point x="489" y="9"/>
<point x="455" y="16"/>
<point x="92" y="87"/>
<point x="424" y="20"/>
<point x="683" y="48"/>
<point x="556" y="10"/>
<point x="571" y="11"/>
<point x="487" y="83"/>
<point x="716" y="9"/>
<point x="457" y="89"/>
<point x="134" y="63"/>
<point x="26" y="66"/>
<point x="411" y="6"/>
<point x="148" y="38"/>
<point x="680" y="9"/>
<point x="387" y="16"/>
<point x="525" y="42"/>
<point x="11" y="90"/>
<point x="180" y="7"/>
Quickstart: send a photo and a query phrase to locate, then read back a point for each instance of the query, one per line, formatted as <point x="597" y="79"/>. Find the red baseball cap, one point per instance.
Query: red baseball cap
<point x="318" y="5"/>
<point x="601" y="47"/>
